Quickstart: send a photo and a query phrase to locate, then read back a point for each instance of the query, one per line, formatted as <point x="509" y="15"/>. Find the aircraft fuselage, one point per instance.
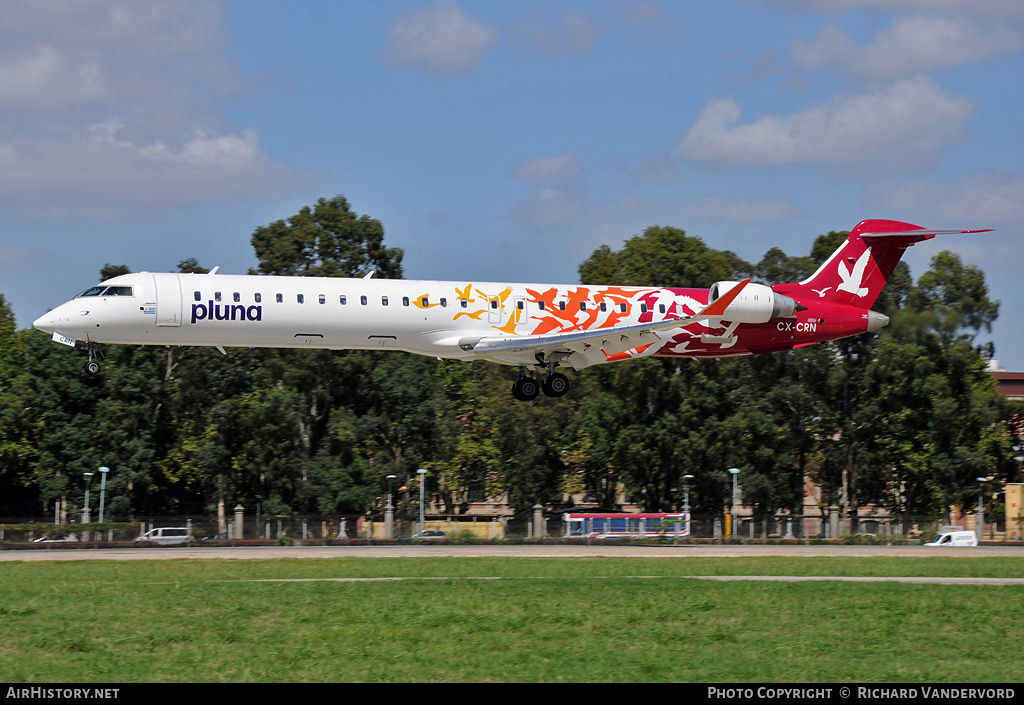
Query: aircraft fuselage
<point x="540" y="326"/>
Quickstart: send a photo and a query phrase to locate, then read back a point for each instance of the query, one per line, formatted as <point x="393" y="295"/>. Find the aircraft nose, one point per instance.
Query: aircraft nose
<point x="876" y="320"/>
<point x="46" y="323"/>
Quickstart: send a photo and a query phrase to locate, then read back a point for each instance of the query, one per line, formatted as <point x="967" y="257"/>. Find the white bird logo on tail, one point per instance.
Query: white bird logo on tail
<point x="852" y="280"/>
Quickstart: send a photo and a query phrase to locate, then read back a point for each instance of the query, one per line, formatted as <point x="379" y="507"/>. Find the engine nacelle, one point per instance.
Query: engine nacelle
<point x="757" y="303"/>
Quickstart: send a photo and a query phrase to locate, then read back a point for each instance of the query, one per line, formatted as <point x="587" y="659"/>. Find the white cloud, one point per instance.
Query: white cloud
<point x="563" y="166"/>
<point x="17" y="255"/>
<point x="910" y="46"/>
<point x="984" y="196"/>
<point x="67" y="66"/>
<point x="101" y="164"/>
<point x="573" y="33"/>
<point x="441" y="39"/>
<point x="896" y="125"/>
<point x="168" y="27"/>
<point x="647" y="19"/>
<point x="552" y="207"/>
<point x="47" y="78"/>
<point x="988" y="8"/>
<point x="747" y="210"/>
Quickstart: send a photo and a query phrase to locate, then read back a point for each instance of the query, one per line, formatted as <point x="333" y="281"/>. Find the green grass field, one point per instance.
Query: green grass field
<point x="578" y="620"/>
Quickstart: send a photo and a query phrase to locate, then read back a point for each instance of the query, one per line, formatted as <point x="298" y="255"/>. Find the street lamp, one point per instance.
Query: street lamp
<point x="735" y="499"/>
<point x="103" y="488"/>
<point x="422" y="473"/>
<point x="85" y="512"/>
<point x="686" y="500"/>
<point x="389" y="513"/>
<point x="979" y="528"/>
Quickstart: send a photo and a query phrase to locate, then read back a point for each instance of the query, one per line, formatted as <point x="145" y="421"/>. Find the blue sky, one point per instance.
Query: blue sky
<point x="505" y="140"/>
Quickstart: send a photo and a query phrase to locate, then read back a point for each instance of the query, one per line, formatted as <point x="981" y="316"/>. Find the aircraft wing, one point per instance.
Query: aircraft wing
<point x="598" y="344"/>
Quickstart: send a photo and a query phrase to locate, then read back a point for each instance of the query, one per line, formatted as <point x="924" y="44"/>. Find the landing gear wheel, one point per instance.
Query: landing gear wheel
<point x="556" y="385"/>
<point x="92" y="367"/>
<point x="525" y="389"/>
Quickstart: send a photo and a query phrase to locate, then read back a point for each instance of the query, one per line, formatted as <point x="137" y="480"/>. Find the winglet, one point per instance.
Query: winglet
<point x="717" y="307"/>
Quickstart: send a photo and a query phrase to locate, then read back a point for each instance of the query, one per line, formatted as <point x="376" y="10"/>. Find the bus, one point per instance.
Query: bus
<point x="620" y="526"/>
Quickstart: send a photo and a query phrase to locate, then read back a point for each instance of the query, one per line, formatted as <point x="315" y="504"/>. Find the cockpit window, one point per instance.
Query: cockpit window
<point x="107" y="291"/>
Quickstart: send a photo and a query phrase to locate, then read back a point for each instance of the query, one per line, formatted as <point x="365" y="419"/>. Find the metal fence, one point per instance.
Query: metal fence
<point x="351" y="527"/>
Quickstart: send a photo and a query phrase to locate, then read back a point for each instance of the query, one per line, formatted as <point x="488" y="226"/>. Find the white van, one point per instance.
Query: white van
<point x="166" y="536"/>
<point x="955" y="538"/>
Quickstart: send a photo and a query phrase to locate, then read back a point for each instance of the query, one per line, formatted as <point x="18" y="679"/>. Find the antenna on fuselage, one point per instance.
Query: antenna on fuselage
<point x="214" y="270"/>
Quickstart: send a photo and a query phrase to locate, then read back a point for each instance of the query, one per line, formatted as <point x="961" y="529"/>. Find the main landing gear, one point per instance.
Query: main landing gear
<point x="526" y="388"/>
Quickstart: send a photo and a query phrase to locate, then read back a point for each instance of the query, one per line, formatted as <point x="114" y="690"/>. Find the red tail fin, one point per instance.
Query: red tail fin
<point x="856" y="273"/>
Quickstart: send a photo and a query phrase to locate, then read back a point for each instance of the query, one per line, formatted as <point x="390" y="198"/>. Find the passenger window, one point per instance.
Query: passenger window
<point x="362" y="300"/>
<point x="561" y="305"/>
<point x="661" y="308"/>
<point x="425" y="301"/>
<point x="216" y="296"/>
<point x="444" y="302"/>
<point x="464" y="302"/>
<point x="322" y="299"/>
<point x="583" y="305"/>
<point x="300" y="298"/>
<point x="622" y="307"/>
<point x="604" y="306"/>
<point x="237" y="297"/>
<point x="520" y="305"/>
<point x="280" y="298"/>
<point x="383" y="301"/>
<point x="643" y="308"/>
<point x="494" y="304"/>
<point x="343" y="299"/>
<point x="405" y="300"/>
<point x="198" y="296"/>
<point x="258" y="297"/>
<point x="540" y="305"/>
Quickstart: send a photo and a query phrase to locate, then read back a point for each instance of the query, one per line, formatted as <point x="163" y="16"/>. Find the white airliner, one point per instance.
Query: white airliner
<point x="533" y="326"/>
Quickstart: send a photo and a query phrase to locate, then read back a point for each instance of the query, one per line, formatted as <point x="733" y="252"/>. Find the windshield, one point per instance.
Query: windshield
<point x="103" y="290"/>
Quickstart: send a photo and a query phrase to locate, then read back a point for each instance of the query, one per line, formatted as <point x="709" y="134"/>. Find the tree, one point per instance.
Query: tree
<point x="15" y="439"/>
<point x="109" y="271"/>
<point x="648" y="422"/>
<point x="662" y="256"/>
<point x="957" y="297"/>
<point x="329" y="240"/>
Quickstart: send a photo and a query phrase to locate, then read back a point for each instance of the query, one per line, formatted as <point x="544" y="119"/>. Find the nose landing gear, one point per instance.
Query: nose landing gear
<point x="92" y="367"/>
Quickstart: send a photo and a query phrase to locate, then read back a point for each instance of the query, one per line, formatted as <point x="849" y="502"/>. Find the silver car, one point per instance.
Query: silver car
<point x="167" y="536"/>
<point x="430" y="535"/>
